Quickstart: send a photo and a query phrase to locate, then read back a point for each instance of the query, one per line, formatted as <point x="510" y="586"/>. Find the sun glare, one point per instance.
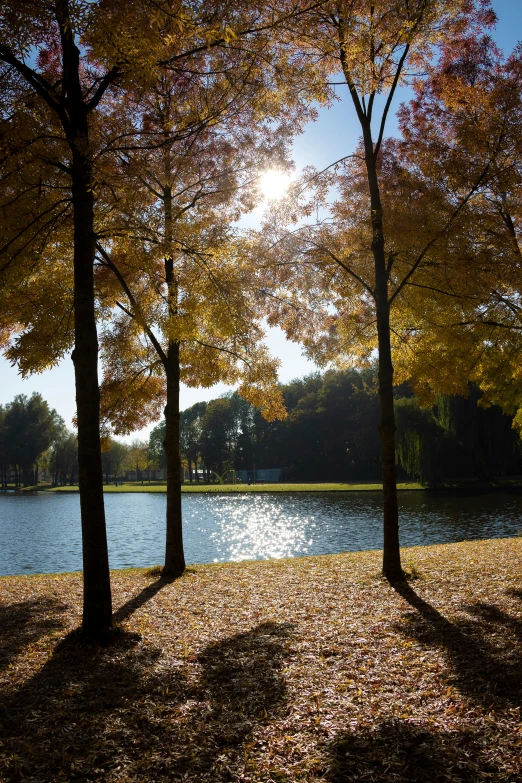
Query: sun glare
<point x="274" y="184"/>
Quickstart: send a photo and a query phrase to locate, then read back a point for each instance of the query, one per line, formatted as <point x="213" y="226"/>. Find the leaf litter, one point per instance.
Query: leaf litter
<point x="310" y="669"/>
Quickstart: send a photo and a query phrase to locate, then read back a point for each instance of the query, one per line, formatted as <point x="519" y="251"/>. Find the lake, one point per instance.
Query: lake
<point x="40" y="533"/>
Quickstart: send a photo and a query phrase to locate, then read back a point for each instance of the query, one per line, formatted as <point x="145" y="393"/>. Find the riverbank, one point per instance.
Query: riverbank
<point x="369" y="486"/>
<point x="161" y="486"/>
<point x="287" y="487"/>
<point x="311" y="669"/>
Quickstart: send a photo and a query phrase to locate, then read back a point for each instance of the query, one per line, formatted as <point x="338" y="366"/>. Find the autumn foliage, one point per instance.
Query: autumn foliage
<point x="133" y="138"/>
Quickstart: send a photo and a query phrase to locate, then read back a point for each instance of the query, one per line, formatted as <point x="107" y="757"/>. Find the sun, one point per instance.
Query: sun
<point x="273" y="184"/>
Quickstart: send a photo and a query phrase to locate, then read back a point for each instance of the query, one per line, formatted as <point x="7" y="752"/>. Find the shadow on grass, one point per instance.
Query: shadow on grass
<point x="22" y="624"/>
<point x="400" y="752"/>
<point x="148" y="592"/>
<point x="126" y="712"/>
<point x="484" y="655"/>
<point x="484" y="651"/>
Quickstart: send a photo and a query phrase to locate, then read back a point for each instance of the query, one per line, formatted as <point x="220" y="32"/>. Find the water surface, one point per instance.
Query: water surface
<point x="40" y="533"/>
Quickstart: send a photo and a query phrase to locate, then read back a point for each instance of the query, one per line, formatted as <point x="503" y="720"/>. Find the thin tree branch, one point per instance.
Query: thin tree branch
<point x="105" y="82"/>
<point x="390" y="99"/>
<point x="224" y="350"/>
<point x="139" y="317"/>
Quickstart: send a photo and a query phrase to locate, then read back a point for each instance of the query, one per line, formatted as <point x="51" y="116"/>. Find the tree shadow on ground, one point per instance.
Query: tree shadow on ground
<point x="396" y="751"/>
<point x="127" y="712"/>
<point x="242" y="678"/>
<point x="148" y="592"/>
<point x="484" y="656"/>
<point x="22" y="624"/>
<point x="484" y="651"/>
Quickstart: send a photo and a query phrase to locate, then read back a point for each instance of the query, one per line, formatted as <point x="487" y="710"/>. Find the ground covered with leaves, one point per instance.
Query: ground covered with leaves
<point x="312" y="669"/>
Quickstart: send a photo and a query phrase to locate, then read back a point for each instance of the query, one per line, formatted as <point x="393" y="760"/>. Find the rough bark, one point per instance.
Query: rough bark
<point x="97" y="608"/>
<point x="391" y="566"/>
<point x="174" y="553"/>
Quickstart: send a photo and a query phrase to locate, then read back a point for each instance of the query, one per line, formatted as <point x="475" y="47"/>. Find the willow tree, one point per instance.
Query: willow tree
<point x="352" y="266"/>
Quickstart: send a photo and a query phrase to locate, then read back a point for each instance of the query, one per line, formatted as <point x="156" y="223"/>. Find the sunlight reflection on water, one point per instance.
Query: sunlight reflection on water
<point x="257" y="528"/>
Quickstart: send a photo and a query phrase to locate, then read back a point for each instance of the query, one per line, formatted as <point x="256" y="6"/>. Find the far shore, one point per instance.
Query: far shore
<point x="368" y="486"/>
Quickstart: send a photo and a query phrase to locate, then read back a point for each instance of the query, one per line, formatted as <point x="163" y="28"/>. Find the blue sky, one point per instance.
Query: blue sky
<point x="332" y="136"/>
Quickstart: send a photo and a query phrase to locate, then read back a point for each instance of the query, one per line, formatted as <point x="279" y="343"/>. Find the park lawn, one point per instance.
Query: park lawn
<point x="313" y="669"/>
<point x="162" y="487"/>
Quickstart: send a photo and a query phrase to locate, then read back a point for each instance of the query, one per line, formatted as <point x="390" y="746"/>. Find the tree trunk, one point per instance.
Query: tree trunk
<point x="97" y="608"/>
<point x="391" y="566"/>
<point x="174" y="554"/>
<point x="97" y="605"/>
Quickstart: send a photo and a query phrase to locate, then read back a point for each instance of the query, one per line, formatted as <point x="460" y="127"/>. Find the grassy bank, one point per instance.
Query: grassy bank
<point x="137" y="486"/>
<point x="311" y="669"/>
<point x="373" y="486"/>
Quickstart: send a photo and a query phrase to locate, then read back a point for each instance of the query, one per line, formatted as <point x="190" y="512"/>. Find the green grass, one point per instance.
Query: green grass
<point x="135" y="486"/>
<point x="375" y="486"/>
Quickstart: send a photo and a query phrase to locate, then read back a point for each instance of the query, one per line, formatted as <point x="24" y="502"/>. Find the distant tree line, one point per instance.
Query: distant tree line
<point x="457" y="438"/>
<point x="119" y="459"/>
<point x="34" y="440"/>
<point x="33" y="436"/>
<point x="331" y="434"/>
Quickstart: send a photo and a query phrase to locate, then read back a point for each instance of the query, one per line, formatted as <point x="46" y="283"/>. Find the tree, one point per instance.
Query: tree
<point x="190" y="310"/>
<point x="190" y="436"/>
<point x="420" y="441"/>
<point x="63" y="460"/>
<point x="65" y="86"/>
<point x="329" y="434"/>
<point x="457" y="438"/>
<point x="219" y="435"/>
<point x="349" y="265"/>
<point x="114" y="456"/>
<point x="29" y="428"/>
<point x="139" y="458"/>
<point x="156" y="450"/>
<point x="465" y="117"/>
<point x="56" y="171"/>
